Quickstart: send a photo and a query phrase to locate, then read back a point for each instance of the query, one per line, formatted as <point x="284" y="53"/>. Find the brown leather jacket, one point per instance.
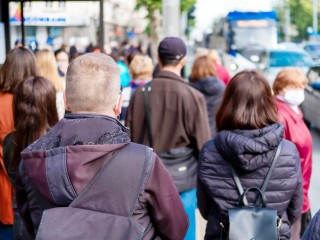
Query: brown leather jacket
<point x="178" y="114"/>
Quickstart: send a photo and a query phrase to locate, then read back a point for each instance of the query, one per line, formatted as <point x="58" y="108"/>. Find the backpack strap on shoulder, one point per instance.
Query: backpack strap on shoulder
<point x="265" y="182"/>
<point x="239" y="186"/>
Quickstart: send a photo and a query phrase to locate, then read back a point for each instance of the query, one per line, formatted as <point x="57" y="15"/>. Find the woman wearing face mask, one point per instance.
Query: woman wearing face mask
<point x="289" y="91"/>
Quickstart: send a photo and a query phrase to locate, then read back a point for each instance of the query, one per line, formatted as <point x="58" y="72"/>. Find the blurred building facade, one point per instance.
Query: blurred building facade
<point x="76" y="23"/>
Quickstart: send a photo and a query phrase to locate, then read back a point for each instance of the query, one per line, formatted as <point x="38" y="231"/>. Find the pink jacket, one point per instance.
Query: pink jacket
<point x="222" y="74"/>
<point x="297" y="132"/>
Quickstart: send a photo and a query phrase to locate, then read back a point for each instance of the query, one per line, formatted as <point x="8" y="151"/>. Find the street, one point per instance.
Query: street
<point x="314" y="192"/>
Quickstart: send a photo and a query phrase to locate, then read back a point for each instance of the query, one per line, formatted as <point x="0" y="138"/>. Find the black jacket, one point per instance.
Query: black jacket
<point x="212" y="88"/>
<point x="250" y="152"/>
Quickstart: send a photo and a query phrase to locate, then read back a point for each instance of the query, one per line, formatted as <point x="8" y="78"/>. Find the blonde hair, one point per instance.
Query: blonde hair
<point x="141" y="67"/>
<point x="289" y="76"/>
<point x="92" y="83"/>
<point x="211" y="53"/>
<point x="47" y="66"/>
<point x="202" y="68"/>
<point x="214" y="56"/>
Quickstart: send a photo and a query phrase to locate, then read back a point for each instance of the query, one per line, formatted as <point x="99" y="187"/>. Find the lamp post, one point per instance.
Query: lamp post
<point x="287" y="20"/>
<point x="171" y="18"/>
<point x="315" y="19"/>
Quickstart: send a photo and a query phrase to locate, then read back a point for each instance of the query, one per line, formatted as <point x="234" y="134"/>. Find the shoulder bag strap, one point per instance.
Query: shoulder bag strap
<point x="266" y="180"/>
<point x="146" y="90"/>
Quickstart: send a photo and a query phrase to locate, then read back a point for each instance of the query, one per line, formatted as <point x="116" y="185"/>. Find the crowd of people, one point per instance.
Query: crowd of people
<point x="97" y="146"/>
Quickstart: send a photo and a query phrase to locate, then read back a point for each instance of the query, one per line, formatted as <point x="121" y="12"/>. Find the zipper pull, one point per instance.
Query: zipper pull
<point x="221" y="225"/>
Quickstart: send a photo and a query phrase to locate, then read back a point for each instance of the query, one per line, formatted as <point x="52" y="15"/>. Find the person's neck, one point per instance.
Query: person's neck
<point x="176" y="70"/>
<point x="107" y="113"/>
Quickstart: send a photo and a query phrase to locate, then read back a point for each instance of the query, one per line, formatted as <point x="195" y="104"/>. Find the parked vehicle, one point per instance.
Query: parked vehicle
<point x="277" y="59"/>
<point x="310" y="106"/>
<point x="313" y="48"/>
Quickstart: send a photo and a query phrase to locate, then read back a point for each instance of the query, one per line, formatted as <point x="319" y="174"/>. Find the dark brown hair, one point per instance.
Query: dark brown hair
<point x="202" y="67"/>
<point x="34" y="109"/>
<point x="247" y="103"/>
<point x="19" y="65"/>
<point x="169" y="62"/>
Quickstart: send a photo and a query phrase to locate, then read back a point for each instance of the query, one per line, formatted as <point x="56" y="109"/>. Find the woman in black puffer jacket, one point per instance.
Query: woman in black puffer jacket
<point x="203" y="78"/>
<point x="248" y="137"/>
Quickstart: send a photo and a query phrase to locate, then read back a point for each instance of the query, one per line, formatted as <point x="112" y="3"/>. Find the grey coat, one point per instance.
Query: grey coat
<point x="250" y="152"/>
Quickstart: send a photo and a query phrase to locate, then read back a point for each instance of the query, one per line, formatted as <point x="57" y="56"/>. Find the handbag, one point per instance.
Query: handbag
<point x="256" y="222"/>
<point x="180" y="162"/>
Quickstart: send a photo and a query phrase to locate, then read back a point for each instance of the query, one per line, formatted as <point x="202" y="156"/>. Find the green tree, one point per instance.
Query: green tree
<point x="300" y="14"/>
<point x="151" y="5"/>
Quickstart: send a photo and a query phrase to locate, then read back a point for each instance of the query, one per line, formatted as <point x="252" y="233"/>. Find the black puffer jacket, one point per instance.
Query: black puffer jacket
<point x="250" y="152"/>
<point x="212" y="88"/>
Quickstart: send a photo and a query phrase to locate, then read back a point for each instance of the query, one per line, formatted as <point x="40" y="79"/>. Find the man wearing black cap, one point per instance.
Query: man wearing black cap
<point x="171" y="117"/>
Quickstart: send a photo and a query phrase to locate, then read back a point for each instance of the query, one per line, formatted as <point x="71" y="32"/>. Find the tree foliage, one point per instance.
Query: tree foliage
<point x="151" y="5"/>
<point x="300" y="14"/>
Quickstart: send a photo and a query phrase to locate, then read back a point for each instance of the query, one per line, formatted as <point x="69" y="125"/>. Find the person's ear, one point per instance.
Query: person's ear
<point x="159" y="62"/>
<point x="183" y="62"/>
<point x="66" y="105"/>
<point x="118" y="106"/>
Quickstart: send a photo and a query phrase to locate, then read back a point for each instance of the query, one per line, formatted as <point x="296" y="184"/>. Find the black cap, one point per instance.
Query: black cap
<point x="172" y="48"/>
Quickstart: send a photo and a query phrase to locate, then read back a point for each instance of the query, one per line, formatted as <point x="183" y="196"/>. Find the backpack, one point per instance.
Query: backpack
<point x="86" y="218"/>
<point x="254" y="222"/>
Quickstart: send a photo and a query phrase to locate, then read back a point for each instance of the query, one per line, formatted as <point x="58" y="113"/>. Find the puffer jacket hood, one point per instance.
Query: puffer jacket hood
<point x="249" y="150"/>
<point x="208" y="86"/>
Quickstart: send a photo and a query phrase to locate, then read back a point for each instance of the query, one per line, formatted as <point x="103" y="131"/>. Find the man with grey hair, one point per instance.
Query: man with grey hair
<point x="84" y="179"/>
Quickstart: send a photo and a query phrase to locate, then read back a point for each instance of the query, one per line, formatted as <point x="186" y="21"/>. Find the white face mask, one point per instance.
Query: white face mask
<point x="294" y="96"/>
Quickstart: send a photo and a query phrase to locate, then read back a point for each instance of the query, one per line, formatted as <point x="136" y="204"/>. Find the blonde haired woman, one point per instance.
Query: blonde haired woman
<point x="47" y="66"/>
<point x="141" y="68"/>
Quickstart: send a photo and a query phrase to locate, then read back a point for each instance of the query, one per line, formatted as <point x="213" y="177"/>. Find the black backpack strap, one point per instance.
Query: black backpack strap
<point x="265" y="182"/>
<point x="147" y="109"/>
<point x="115" y="189"/>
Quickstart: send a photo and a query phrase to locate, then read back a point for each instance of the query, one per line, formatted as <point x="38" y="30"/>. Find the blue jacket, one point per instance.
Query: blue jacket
<point x="313" y="230"/>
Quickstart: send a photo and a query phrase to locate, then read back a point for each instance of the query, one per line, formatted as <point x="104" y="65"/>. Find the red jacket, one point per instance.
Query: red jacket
<point x="297" y="132"/>
<point x="6" y="126"/>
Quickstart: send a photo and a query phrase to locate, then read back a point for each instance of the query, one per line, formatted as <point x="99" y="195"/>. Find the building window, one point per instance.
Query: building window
<point x="54" y="32"/>
<point x="30" y="31"/>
